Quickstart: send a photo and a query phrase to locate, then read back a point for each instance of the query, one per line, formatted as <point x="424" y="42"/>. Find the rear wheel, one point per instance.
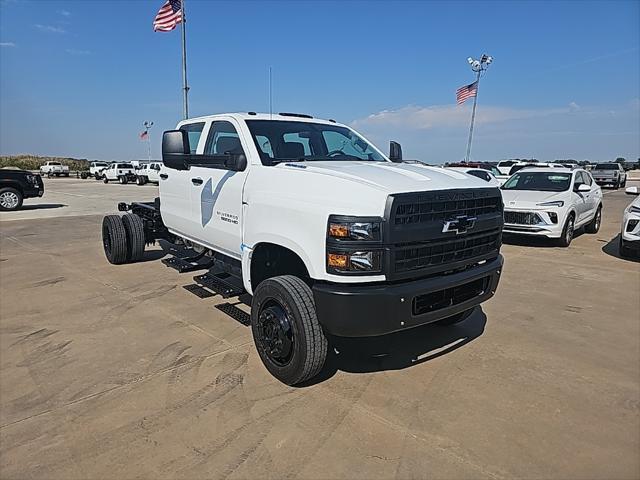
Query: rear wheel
<point x="594" y="225"/>
<point x="114" y="239"/>
<point x="459" y="317"/>
<point x="105" y="179"/>
<point x="286" y="331"/>
<point x="141" y="180"/>
<point x="567" y="232"/>
<point x="123" y="180"/>
<point x="134" y="226"/>
<point x="10" y="199"/>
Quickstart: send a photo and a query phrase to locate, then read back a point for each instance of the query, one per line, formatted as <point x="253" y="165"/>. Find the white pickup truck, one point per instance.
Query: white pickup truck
<point x="52" y="168"/>
<point x="149" y="173"/>
<point x="326" y="233"/>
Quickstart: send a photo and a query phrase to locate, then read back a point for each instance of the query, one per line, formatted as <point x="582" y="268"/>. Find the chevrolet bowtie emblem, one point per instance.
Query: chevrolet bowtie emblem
<point x="459" y="224"/>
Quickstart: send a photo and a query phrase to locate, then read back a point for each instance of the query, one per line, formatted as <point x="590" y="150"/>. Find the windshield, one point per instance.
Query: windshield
<point x="281" y="141"/>
<point x="606" y="166"/>
<point x="100" y="164"/>
<point x="539" y="181"/>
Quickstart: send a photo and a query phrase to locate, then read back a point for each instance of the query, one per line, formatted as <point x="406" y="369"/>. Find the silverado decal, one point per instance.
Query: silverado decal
<point x="208" y="197"/>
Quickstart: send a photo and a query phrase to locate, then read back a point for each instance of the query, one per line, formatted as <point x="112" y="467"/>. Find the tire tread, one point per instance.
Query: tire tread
<point x="134" y="227"/>
<point x="115" y="226"/>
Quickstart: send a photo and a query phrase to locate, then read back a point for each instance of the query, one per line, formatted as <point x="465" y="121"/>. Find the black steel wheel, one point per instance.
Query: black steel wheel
<point x="594" y="225"/>
<point x="134" y="226"/>
<point x="114" y="239"/>
<point x="286" y="331"/>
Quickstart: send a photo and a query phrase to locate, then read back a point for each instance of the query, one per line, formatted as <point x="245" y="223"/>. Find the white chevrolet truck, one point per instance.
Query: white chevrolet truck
<point x="326" y="234"/>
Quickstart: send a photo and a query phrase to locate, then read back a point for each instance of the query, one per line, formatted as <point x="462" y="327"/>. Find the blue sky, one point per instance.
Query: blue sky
<point x="78" y="78"/>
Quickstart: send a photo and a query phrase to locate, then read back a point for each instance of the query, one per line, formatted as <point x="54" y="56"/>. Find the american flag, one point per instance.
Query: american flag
<point x="168" y="16"/>
<point x="468" y="91"/>
<point x="144" y="135"/>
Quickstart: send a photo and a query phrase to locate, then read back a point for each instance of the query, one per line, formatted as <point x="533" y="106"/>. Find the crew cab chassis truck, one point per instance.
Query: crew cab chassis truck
<point x="324" y="233"/>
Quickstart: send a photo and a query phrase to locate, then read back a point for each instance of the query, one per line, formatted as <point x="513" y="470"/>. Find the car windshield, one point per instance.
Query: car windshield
<point x="606" y="166"/>
<point x="539" y="181"/>
<point x="125" y="165"/>
<point x="282" y="141"/>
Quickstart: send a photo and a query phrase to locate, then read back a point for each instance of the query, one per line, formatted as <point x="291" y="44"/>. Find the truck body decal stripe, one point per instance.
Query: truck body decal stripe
<point x="208" y="198"/>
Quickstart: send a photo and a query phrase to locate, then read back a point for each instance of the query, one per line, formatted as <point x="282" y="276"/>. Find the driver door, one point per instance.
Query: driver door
<point x="581" y="199"/>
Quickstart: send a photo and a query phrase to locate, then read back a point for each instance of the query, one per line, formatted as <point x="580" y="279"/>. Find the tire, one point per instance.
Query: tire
<point x="105" y="179"/>
<point x="624" y="184"/>
<point x="96" y="176"/>
<point x="114" y="239"/>
<point x="10" y="199"/>
<point x="141" y="180"/>
<point x="616" y="185"/>
<point x="134" y="226"/>
<point x="567" y="232"/>
<point x="457" y="318"/>
<point x="123" y="180"/>
<point x="594" y="225"/>
<point x="286" y="331"/>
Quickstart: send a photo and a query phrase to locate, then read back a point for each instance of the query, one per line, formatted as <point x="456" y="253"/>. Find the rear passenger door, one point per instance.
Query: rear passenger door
<point x="216" y="193"/>
<point x="175" y="188"/>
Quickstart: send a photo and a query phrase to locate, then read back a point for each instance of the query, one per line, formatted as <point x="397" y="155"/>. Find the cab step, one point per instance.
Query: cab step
<point x="198" y="291"/>
<point x="234" y="312"/>
<point x="222" y="283"/>
<point x="189" y="264"/>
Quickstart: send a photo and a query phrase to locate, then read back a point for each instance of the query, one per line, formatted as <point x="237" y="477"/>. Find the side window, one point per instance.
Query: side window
<point x="579" y="179"/>
<point x="587" y="178"/>
<point x="265" y="145"/>
<point x="480" y="174"/>
<point x="194" y="131"/>
<point x="223" y="139"/>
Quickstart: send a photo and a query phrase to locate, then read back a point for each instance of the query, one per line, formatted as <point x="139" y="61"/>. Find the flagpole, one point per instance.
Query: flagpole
<point x="473" y="118"/>
<point x="185" y="87"/>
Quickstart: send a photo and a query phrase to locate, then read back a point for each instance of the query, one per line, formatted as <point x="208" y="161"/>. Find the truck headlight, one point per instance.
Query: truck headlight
<point x="557" y="203"/>
<point x="356" y="261"/>
<point x="350" y="228"/>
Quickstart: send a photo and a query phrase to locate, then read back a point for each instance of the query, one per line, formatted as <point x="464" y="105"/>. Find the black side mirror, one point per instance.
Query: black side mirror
<point x="395" y="152"/>
<point x="236" y="162"/>
<point x="175" y="149"/>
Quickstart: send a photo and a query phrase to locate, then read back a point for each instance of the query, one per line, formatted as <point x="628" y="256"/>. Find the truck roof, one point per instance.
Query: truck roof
<point x="285" y="117"/>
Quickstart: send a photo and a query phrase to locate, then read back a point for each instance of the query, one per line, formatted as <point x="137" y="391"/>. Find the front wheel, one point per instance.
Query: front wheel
<point x="594" y="225"/>
<point x="105" y="179"/>
<point x="286" y="331"/>
<point x="567" y="232"/>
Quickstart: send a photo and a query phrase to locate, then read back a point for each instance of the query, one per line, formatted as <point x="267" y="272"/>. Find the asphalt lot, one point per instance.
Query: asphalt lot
<point x="118" y="372"/>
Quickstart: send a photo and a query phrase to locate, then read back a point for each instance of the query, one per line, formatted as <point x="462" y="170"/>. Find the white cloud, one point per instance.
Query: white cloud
<point x="426" y="118"/>
<point x="49" y="28"/>
<point x="7" y="44"/>
<point x="64" y="13"/>
<point x="75" y="51"/>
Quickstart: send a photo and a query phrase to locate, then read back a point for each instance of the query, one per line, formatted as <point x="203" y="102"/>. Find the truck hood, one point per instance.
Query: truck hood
<point x="528" y="199"/>
<point x="388" y="177"/>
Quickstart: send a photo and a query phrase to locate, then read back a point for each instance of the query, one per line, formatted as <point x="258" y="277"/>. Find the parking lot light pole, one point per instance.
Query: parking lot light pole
<point x="478" y="66"/>
<point x="147" y="129"/>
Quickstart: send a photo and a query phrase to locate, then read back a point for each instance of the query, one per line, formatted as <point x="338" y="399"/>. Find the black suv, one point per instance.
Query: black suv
<point x="16" y="185"/>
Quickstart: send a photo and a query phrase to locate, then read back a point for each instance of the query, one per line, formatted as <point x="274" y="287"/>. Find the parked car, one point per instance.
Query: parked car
<point x="326" y="233"/>
<point x="481" y="173"/>
<point x="122" y="172"/>
<point x="505" y="165"/>
<point x="551" y="202"/>
<point x="149" y="172"/>
<point x="54" y="169"/>
<point x="16" y="185"/>
<point x="609" y="174"/>
<point x="630" y="232"/>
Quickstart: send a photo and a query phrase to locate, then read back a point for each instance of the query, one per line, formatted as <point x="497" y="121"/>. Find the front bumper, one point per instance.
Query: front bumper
<point x="544" y="228"/>
<point x="357" y="310"/>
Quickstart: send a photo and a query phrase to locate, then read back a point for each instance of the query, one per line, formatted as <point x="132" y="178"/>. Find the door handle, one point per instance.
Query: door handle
<point x="164" y="176"/>
<point x="196" y="181"/>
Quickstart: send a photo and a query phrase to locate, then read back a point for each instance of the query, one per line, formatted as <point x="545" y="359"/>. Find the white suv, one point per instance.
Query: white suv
<point x="551" y="202"/>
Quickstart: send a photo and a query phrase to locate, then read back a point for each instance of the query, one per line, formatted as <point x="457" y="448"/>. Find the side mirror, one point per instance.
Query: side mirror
<point x="175" y="149"/>
<point x="583" y="187"/>
<point x="632" y="191"/>
<point x="395" y="152"/>
<point x="236" y="162"/>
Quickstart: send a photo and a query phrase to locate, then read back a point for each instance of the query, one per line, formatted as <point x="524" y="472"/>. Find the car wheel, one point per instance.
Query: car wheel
<point x="139" y="181"/>
<point x="114" y="239"/>
<point x="457" y="318"/>
<point x="105" y="179"/>
<point x="286" y="331"/>
<point x="122" y="180"/>
<point x="97" y="177"/>
<point x="594" y="225"/>
<point x="567" y="232"/>
<point x="10" y="199"/>
<point x="134" y="226"/>
<point x="624" y="184"/>
<point x="616" y="185"/>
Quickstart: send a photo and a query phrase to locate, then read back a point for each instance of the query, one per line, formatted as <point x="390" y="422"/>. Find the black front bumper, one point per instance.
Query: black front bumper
<point x="357" y="310"/>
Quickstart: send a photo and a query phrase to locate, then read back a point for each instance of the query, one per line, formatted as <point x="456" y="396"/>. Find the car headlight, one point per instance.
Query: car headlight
<point x="365" y="261"/>
<point x="353" y="229"/>
<point x="557" y="203"/>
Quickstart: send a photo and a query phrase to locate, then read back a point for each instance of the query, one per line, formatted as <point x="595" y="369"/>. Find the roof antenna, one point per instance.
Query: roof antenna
<point x="270" y="96"/>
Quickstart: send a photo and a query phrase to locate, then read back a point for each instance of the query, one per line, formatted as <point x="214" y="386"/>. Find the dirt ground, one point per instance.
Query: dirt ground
<point x="120" y="373"/>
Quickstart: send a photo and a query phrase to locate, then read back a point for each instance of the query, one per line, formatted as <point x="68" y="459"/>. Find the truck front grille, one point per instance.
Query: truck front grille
<point x="522" y="218"/>
<point x="449" y="297"/>
<point x="420" y="245"/>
